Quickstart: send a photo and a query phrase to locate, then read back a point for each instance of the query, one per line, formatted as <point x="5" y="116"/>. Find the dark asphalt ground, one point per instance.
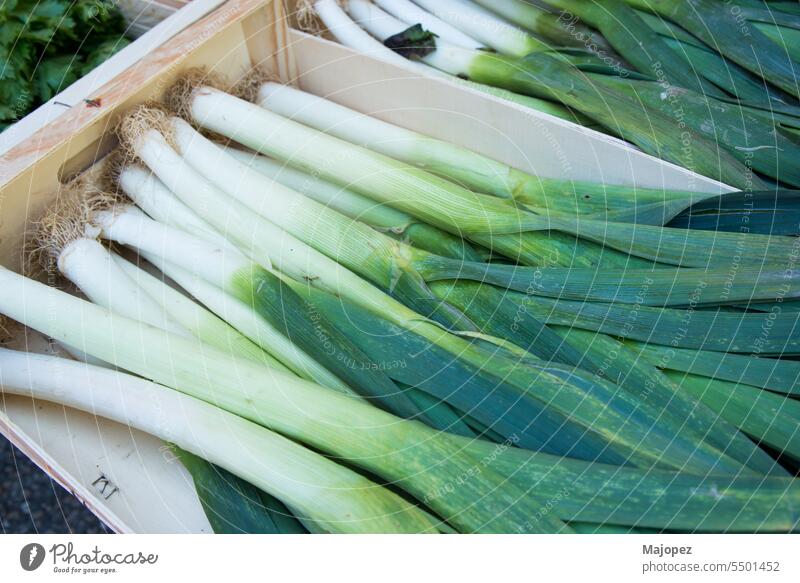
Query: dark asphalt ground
<point x="30" y="502"/>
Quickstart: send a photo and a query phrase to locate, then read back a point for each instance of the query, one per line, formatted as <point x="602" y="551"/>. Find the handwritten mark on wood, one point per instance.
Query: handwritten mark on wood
<point x="106" y="488"/>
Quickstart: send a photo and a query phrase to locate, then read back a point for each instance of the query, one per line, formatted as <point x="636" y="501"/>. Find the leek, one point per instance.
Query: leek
<point x="782" y="376"/>
<point x="397" y="450"/>
<point x="720" y="29"/>
<point x="329" y="494"/>
<point x="460" y="165"/>
<point x="405" y="9"/>
<point x="768" y="418"/>
<point x="400" y="451"/>
<point x="563" y="31"/>
<point x="596" y="96"/>
<point x="340" y="26"/>
<point x="484" y="26"/>
<point x="384" y="218"/>
<point x="484" y="219"/>
<point x="349" y="34"/>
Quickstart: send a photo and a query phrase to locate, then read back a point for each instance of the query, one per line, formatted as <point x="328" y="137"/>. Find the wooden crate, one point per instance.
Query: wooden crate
<point x="124" y="476"/>
<point x="153" y="23"/>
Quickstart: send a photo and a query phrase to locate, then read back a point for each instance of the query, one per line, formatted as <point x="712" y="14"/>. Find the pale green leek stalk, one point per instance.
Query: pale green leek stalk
<point x="330" y="495"/>
<point x="398" y="450"/>
<point x="484" y="26"/>
<point x="488" y="221"/>
<point x="263" y="239"/>
<point x="161" y="204"/>
<point x="388" y="220"/>
<point x="89" y="265"/>
<point x="409" y="12"/>
<point x="495" y="223"/>
<point x="420" y="460"/>
<point x="463" y="166"/>
<point x="203" y="324"/>
<point x="352" y="244"/>
<point x="559" y="29"/>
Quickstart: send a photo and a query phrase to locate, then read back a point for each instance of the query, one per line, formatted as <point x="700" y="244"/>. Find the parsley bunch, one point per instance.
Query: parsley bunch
<point x="47" y="44"/>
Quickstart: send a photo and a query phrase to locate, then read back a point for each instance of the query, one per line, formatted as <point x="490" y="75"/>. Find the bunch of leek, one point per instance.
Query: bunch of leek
<point x="652" y="75"/>
<point x="447" y="345"/>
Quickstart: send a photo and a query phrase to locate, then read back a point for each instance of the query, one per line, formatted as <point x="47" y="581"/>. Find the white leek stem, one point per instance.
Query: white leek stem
<point x="349" y="34"/>
<point x="447" y="61"/>
<point x="446" y="57"/>
<point x="481" y="24"/>
<point x="412" y="14"/>
<point x="379" y="23"/>
<point x="354" y="245"/>
<point x="262" y="239"/>
<point x="128" y="227"/>
<point x="332" y="195"/>
<point x="155" y="199"/>
<point x="477" y="172"/>
<point x="319" y="489"/>
<point x="89" y="265"/>
<point x="413" y="190"/>
<point x="200" y="322"/>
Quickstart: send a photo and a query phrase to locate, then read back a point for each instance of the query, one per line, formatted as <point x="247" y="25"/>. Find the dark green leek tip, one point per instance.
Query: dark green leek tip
<point x="413" y="43"/>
